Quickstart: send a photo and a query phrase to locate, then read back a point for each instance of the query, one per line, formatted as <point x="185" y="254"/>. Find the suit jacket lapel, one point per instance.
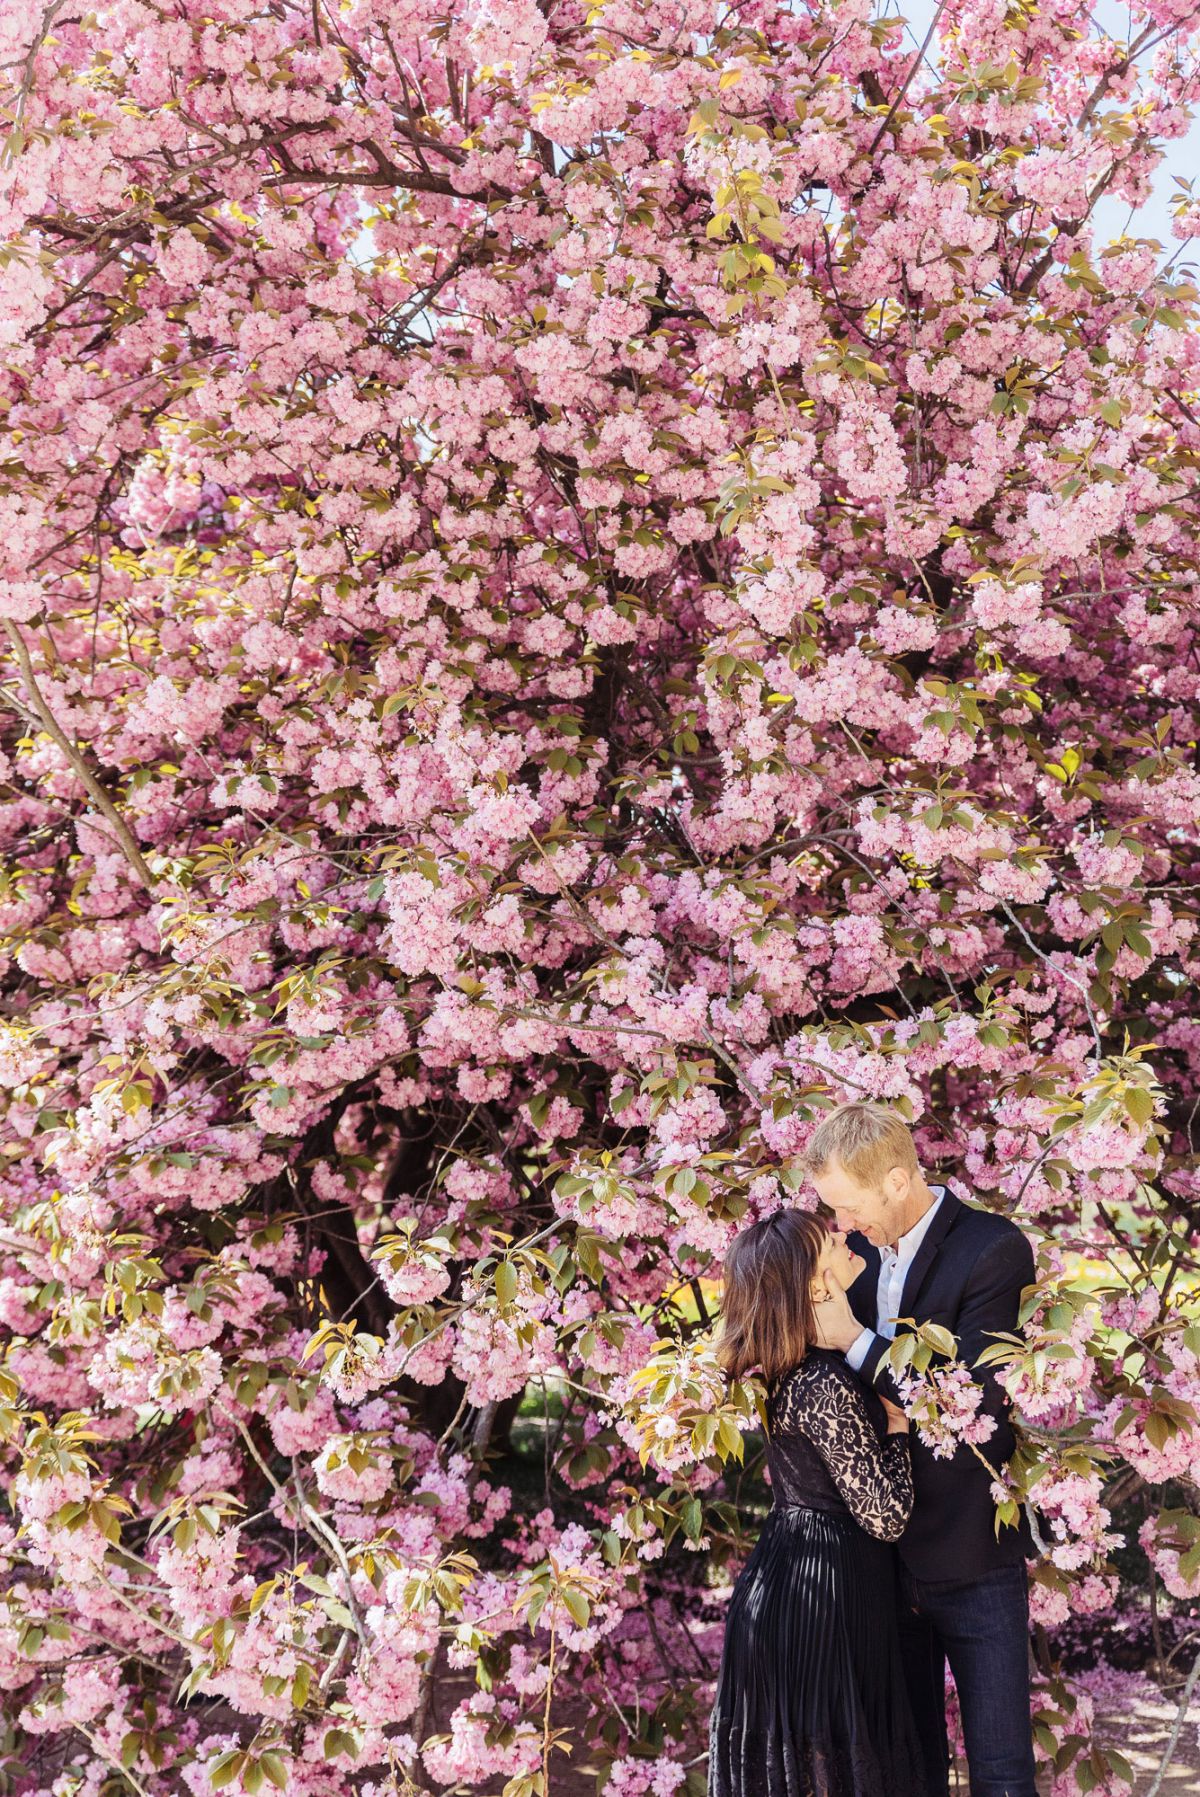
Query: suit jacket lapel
<point x="864" y="1292"/>
<point x="926" y="1254"/>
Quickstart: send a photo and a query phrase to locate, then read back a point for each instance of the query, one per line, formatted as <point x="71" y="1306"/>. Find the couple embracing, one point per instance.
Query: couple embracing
<point x="878" y="1562"/>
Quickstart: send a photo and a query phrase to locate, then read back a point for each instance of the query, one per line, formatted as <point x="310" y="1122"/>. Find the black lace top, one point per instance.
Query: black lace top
<point x="828" y="1447"/>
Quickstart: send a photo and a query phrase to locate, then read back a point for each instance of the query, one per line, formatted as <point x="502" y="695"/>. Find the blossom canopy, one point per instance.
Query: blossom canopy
<point x="583" y="582"/>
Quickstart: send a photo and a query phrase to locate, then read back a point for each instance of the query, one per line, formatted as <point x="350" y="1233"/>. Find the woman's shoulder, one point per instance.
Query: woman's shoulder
<point x="823" y="1370"/>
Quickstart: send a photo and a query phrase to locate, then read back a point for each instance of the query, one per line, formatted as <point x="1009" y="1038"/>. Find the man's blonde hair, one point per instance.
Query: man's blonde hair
<point x="867" y="1139"/>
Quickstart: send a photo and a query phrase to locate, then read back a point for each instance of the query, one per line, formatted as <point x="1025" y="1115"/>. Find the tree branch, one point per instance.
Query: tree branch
<point x="52" y="727"/>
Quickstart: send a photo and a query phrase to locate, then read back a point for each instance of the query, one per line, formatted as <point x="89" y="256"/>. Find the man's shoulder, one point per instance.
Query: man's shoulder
<point x="985" y="1231"/>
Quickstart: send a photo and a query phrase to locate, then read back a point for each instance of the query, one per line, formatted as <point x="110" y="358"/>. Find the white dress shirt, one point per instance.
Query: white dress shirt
<point x="894" y="1263"/>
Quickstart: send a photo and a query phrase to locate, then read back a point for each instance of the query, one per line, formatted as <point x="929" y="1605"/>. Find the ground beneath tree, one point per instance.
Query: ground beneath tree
<point x="1143" y="1738"/>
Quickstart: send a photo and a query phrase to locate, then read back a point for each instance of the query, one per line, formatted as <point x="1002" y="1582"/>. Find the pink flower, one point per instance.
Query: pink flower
<point x="944" y="1404"/>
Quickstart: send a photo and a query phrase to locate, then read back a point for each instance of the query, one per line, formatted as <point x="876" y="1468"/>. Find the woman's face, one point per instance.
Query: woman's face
<point x="840" y="1262"/>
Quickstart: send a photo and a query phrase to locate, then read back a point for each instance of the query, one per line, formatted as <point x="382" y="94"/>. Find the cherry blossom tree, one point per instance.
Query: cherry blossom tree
<point x="582" y="582"/>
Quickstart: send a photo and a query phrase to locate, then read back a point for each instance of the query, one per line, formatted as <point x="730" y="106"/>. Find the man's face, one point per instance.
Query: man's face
<point x="873" y="1210"/>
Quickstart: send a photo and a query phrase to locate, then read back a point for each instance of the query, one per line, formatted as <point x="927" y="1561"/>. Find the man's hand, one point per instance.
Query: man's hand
<point x="837" y="1325"/>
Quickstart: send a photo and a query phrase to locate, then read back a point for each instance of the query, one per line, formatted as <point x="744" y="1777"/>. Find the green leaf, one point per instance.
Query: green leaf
<point x="578" y="1605"/>
<point x="729" y="1438"/>
<point x="1158" y="1429"/>
<point x="1189" y="1562"/>
<point x="507" y="1283"/>
<point x="225" y="1769"/>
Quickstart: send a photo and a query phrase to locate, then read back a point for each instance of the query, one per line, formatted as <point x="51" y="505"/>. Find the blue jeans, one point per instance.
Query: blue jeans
<point x="982" y="1627"/>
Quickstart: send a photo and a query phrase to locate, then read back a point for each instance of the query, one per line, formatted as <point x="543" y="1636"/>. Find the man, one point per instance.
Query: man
<point x="964" y="1590"/>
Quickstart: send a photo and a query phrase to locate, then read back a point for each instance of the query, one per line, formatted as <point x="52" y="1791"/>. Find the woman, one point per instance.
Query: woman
<point x="811" y="1700"/>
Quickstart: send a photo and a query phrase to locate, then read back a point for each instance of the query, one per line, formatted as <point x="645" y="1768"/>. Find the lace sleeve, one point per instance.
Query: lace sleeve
<point x="873" y="1477"/>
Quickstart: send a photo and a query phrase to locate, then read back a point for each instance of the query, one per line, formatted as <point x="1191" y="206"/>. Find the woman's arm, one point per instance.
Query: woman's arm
<point x="873" y="1477"/>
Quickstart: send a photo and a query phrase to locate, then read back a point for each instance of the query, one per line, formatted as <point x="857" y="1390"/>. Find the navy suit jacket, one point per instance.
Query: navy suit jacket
<point x="967" y="1274"/>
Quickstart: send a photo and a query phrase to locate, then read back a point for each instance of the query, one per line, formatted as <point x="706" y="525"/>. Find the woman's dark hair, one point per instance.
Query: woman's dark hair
<point x="767" y="1319"/>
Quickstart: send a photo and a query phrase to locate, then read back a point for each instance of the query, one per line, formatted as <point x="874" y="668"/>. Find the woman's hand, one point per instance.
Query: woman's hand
<point x="897" y="1419"/>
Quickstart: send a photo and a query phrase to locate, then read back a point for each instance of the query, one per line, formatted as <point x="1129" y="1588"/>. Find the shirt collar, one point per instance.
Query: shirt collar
<point x="911" y="1240"/>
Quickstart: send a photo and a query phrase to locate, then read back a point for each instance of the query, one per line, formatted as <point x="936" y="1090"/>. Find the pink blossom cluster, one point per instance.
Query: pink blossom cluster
<point x="1173" y="1555"/>
<point x="945" y="1407"/>
<point x="1074" y="1519"/>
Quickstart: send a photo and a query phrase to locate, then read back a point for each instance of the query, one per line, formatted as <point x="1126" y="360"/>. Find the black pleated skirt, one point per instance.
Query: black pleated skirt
<point x="811" y="1699"/>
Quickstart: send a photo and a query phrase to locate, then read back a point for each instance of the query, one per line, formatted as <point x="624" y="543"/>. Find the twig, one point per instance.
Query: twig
<point x="904" y="86"/>
<point x="481" y="1433"/>
<point x="54" y="730"/>
<point x="420" y="1718"/>
<point x="144" y="1616"/>
<point x="98" y="1747"/>
<point x="27" y="78"/>
<point x="335" y="1658"/>
<point x="1054" y="967"/>
<point x="317" y="1526"/>
<point x="1031" y="1518"/>
<point x="550" y="1670"/>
